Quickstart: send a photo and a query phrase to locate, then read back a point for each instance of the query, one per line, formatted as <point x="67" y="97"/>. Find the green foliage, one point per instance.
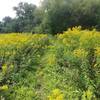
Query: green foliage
<point x="53" y="16"/>
<point x="24" y="21"/>
<point x="60" y="15"/>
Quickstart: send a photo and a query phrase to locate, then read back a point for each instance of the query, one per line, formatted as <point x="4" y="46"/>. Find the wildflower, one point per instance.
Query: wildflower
<point x="56" y="92"/>
<point x="87" y="95"/>
<point x="97" y="52"/>
<point x="51" y="59"/>
<point x="65" y="42"/>
<point x="56" y="95"/>
<point x="4" y="88"/>
<point x="80" y="53"/>
<point x="60" y="97"/>
<point x="4" y="68"/>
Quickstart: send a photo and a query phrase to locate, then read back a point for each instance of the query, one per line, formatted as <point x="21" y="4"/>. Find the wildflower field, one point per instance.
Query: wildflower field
<point x="45" y="67"/>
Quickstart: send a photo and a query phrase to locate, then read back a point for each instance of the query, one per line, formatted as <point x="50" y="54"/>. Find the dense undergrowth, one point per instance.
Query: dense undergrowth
<point x="45" y="67"/>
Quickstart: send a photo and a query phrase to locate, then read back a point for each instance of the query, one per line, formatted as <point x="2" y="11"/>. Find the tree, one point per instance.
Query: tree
<point x="7" y="25"/>
<point x="53" y="16"/>
<point x="62" y="14"/>
<point x="25" y="16"/>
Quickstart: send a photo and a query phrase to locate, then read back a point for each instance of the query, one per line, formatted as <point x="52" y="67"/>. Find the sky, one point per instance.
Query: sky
<point x="6" y="7"/>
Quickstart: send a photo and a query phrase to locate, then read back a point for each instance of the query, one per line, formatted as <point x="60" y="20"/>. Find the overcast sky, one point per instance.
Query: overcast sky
<point x="6" y="6"/>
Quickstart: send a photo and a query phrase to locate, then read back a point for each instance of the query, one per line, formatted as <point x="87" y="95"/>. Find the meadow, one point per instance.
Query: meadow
<point x="45" y="67"/>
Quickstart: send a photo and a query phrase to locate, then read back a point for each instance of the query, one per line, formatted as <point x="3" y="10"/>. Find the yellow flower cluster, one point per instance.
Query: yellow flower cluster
<point x="4" y="69"/>
<point x="87" y="95"/>
<point x="75" y="31"/>
<point x="51" y="59"/>
<point x="97" y="51"/>
<point x="10" y="39"/>
<point x="82" y="38"/>
<point x="9" y="43"/>
<point x="81" y="53"/>
<point x="18" y="39"/>
<point x="4" y="88"/>
<point x="56" y="95"/>
<point x="90" y="39"/>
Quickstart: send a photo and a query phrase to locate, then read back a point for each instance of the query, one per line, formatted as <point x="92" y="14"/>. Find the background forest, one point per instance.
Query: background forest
<point x="53" y="16"/>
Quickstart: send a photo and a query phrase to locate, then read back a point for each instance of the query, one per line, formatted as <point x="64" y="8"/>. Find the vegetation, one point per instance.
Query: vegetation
<point x="53" y="64"/>
<point x="45" y="67"/>
<point x="53" y="16"/>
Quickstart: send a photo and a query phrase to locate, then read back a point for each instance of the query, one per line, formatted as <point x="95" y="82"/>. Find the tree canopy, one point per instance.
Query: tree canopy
<point x="53" y="16"/>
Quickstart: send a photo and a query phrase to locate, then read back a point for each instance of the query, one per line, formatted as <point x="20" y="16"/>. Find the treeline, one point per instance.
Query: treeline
<point x="53" y="16"/>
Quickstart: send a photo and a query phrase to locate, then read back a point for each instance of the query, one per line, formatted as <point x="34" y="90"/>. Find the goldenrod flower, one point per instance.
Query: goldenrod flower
<point x="4" y="68"/>
<point x="80" y="53"/>
<point x="56" y="95"/>
<point x="56" y="92"/>
<point x="97" y="51"/>
<point x="4" y="88"/>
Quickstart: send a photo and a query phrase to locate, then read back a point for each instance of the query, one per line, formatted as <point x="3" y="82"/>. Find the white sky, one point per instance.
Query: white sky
<point x="6" y="6"/>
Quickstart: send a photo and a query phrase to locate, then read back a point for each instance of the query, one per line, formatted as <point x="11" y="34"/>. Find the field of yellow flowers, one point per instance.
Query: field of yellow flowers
<point x="45" y="67"/>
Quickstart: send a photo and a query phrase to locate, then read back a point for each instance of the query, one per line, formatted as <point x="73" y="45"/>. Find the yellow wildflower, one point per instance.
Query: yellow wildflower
<point x="60" y="97"/>
<point x="4" y="68"/>
<point x="4" y="88"/>
<point x="87" y="95"/>
<point x="56" y="92"/>
<point x="56" y="95"/>
<point x="97" y="52"/>
<point x="80" y="53"/>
